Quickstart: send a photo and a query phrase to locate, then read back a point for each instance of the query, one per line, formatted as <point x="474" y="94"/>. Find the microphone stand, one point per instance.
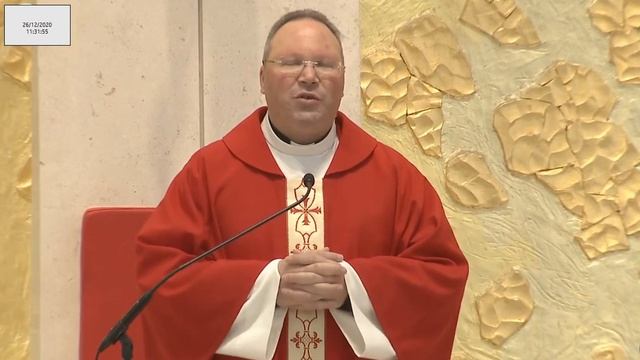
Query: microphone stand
<point x="119" y="331"/>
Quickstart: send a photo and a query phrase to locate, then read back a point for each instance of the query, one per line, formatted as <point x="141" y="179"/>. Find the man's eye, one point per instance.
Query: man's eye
<point x="291" y="62"/>
<point x="325" y="65"/>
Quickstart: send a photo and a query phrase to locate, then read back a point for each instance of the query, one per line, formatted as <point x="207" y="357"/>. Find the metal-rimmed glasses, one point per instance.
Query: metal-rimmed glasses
<point x="295" y="67"/>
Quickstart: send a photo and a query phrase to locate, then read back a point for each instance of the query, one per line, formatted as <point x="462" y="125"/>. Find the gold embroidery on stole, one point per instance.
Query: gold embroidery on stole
<point x="305" y="232"/>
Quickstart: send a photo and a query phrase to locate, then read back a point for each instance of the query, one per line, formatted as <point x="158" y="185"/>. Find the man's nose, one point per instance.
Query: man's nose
<point x="308" y="73"/>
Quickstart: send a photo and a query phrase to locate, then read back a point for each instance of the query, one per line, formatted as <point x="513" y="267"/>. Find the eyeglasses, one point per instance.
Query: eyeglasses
<point x="295" y="67"/>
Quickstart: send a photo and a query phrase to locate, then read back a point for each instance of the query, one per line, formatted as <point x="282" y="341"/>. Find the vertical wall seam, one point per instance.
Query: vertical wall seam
<point x="34" y="333"/>
<point x="200" y="73"/>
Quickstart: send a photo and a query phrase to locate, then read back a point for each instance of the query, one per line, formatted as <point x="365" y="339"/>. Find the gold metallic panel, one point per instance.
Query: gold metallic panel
<point x="23" y="181"/>
<point x="504" y="308"/>
<point x="502" y="20"/>
<point x="15" y="198"/>
<point x="16" y="62"/>
<point x="15" y="201"/>
<point x="434" y="56"/>
<point x="470" y="182"/>
<point x="384" y="80"/>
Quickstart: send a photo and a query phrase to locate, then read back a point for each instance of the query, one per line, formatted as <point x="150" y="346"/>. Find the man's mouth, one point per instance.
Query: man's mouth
<point x="308" y="96"/>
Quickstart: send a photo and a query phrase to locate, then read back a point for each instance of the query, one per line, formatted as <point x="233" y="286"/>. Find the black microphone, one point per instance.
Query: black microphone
<point x="308" y="180"/>
<point x="119" y="330"/>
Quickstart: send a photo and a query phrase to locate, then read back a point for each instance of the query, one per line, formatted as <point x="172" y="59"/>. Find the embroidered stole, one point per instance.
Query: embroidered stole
<point x="306" y="336"/>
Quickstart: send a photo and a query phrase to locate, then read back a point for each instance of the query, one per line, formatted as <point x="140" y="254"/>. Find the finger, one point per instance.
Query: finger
<point x="331" y="255"/>
<point x="302" y="278"/>
<point x="288" y="297"/>
<point x="326" y="269"/>
<point x="311" y="257"/>
<point x="324" y="290"/>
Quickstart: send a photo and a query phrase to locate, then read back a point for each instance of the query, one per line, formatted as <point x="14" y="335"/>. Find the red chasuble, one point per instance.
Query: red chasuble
<point x="379" y="212"/>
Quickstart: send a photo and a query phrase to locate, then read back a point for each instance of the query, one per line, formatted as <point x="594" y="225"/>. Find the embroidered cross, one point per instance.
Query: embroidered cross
<point x="308" y="339"/>
<point x="306" y="211"/>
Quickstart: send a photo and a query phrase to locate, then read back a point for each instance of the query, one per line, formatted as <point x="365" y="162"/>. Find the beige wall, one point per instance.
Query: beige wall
<point x="117" y="118"/>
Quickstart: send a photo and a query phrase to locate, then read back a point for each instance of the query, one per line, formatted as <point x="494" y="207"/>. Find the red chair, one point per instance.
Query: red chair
<point x="108" y="277"/>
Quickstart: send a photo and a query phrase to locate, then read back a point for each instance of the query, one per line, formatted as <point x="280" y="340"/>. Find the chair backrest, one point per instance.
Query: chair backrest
<point x="108" y="277"/>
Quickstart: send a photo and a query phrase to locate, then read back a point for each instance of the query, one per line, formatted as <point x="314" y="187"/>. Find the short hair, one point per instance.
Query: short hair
<point x="298" y="15"/>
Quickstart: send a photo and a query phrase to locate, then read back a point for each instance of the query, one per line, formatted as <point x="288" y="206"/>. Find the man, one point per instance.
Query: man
<point x="367" y="266"/>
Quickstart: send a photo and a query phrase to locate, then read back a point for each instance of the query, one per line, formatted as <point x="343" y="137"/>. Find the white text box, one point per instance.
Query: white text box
<point x="37" y="25"/>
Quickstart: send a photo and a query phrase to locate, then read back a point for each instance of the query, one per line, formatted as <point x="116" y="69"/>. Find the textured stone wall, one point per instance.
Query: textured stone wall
<point x="530" y="134"/>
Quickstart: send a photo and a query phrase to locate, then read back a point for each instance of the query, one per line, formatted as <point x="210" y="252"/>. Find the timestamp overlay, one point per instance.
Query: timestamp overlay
<point x="37" y="25"/>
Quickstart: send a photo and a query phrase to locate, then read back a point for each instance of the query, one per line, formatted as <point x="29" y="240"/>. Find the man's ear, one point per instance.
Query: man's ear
<point x="262" y="79"/>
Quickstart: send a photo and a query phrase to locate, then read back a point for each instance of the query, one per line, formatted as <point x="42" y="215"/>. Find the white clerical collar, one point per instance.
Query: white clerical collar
<point x="318" y="148"/>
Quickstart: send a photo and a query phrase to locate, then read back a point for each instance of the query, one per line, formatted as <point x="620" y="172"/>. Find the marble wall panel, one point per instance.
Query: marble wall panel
<point x="117" y="117"/>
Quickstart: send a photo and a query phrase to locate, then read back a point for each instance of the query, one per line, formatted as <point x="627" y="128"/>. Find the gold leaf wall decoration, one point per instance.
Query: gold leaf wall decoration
<point x="608" y="15"/>
<point x="421" y="96"/>
<point x="625" y="54"/>
<point x="592" y="295"/>
<point x="24" y="181"/>
<point x="608" y="352"/>
<point x="434" y="56"/>
<point x="533" y="135"/>
<point x="384" y="81"/>
<point x="560" y="131"/>
<point x="16" y="62"/>
<point x="606" y="236"/>
<point x="470" y="182"/>
<point x="408" y="86"/>
<point x="502" y="20"/>
<point x="504" y="308"/>
<point x="621" y="20"/>
<point x="427" y="128"/>
<point x="15" y="200"/>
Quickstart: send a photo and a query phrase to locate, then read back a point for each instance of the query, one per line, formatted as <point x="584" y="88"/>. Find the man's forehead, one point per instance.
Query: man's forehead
<point x="302" y="25"/>
<point x="305" y="32"/>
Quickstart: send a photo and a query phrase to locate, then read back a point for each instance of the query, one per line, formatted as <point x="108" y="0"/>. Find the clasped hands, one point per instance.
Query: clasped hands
<point x="312" y="280"/>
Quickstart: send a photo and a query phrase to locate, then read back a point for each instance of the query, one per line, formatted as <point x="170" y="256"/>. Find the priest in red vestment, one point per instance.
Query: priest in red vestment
<point x="366" y="267"/>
